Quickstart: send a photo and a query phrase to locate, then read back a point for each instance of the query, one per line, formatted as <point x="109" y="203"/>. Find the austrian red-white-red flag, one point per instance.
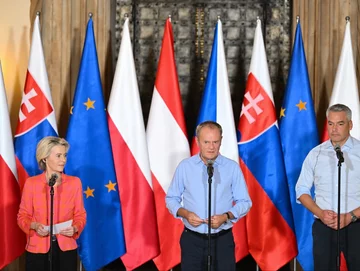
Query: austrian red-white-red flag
<point x="12" y="239"/>
<point x="130" y="152"/>
<point x="168" y="145"/>
<point x="345" y="89"/>
<point x="36" y="115"/>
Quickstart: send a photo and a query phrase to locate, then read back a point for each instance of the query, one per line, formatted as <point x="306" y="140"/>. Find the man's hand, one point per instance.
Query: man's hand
<point x="217" y="220"/>
<point x="329" y="218"/>
<point x="193" y="219"/>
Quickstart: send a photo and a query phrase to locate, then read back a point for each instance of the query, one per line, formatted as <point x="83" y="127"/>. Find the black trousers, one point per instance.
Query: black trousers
<point x="325" y="246"/>
<point x="194" y="252"/>
<point x="62" y="260"/>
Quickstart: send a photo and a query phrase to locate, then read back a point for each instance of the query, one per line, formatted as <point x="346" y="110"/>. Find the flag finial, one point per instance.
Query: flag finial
<point x="126" y="15"/>
<point x="218" y="17"/>
<point x="258" y="19"/>
<point x="347" y="18"/>
<point x="90" y="15"/>
<point x="38" y="13"/>
<point x="297" y="19"/>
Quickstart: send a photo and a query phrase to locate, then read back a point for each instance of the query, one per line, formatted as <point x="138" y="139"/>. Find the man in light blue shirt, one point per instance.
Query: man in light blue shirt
<point x="187" y="198"/>
<point x="320" y="169"/>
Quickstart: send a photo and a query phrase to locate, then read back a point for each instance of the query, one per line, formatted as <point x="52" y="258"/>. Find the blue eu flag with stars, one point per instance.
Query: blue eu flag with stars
<point x="90" y="159"/>
<point x="298" y="132"/>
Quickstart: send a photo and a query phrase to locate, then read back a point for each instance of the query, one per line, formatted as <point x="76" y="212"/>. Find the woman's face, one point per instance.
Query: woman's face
<point x="56" y="161"/>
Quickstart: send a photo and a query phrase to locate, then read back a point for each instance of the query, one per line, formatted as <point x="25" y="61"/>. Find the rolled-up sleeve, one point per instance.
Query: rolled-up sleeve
<point x="306" y="179"/>
<point x="242" y="201"/>
<point x="173" y="197"/>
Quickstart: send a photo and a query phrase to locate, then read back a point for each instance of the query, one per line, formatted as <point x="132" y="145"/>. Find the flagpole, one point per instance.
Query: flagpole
<point x="134" y="13"/>
<point x="295" y="260"/>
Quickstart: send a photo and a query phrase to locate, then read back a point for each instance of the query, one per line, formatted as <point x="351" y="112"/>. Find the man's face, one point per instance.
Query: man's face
<point x="209" y="142"/>
<point x="338" y="127"/>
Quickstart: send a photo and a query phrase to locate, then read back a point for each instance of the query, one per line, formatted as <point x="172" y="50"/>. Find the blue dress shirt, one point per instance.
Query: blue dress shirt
<point x="189" y="189"/>
<point x="320" y="169"/>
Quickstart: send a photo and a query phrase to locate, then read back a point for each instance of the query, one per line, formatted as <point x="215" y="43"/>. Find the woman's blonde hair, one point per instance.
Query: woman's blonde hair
<point x="44" y="147"/>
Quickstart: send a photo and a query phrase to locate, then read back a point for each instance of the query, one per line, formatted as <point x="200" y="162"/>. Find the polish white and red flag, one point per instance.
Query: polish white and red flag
<point x="345" y="89"/>
<point x="168" y="145"/>
<point x="12" y="239"/>
<point x="36" y="115"/>
<point x="130" y="152"/>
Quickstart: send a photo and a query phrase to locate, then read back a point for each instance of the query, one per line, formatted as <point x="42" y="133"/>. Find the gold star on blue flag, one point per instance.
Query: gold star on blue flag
<point x="90" y="158"/>
<point x="298" y="132"/>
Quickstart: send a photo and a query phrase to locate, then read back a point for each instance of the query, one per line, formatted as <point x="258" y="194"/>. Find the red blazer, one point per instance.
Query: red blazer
<point x="35" y="207"/>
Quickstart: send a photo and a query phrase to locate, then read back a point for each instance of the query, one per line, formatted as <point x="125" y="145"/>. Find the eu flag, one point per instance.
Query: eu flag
<point x="298" y="132"/>
<point x="90" y="158"/>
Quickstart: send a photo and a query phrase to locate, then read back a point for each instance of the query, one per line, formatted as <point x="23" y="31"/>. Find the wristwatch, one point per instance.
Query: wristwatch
<point x="228" y="217"/>
<point x="353" y="217"/>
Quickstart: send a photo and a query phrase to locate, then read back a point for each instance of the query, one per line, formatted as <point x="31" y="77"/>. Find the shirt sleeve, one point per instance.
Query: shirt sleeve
<point x="173" y="197"/>
<point x="79" y="219"/>
<point x="306" y="179"/>
<point x="25" y="214"/>
<point x="242" y="201"/>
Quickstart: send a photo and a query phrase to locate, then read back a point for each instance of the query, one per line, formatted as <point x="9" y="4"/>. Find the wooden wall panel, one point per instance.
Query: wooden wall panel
<point x="323" y="25"/>
<point x="63" y="29"/>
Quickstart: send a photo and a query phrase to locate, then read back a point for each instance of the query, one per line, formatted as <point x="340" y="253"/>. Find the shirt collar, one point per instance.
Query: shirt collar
<point x="349" y="143"/>
<point x="219" y="159"/>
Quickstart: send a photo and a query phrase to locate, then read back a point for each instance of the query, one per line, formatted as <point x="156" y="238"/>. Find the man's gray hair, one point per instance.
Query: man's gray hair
<point x="340" y="108"/>
<point x="210" y="124"/>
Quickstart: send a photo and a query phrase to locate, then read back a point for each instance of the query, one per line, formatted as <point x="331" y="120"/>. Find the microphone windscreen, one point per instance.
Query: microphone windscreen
<point x="337" y="147"/>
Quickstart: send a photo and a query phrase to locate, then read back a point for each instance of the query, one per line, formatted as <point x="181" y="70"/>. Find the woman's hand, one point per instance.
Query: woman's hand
<point x="69" y="231"/>
<point x="39" y="229"/>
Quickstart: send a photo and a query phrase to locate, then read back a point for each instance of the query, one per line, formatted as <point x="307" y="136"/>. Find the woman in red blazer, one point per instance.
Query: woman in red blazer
<point x="34" y="212"/>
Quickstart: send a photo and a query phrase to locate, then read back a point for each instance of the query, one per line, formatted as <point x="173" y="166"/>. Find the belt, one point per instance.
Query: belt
<point x="205" y="235"/>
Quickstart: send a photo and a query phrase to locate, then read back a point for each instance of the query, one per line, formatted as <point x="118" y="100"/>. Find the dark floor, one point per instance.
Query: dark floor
<point x="246" y="264"/>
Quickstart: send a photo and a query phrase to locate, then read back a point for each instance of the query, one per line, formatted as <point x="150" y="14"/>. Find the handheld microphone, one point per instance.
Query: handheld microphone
<point x="53" y="179"/>
<point x="210" y="168"/>
<point x="339" y="153"/>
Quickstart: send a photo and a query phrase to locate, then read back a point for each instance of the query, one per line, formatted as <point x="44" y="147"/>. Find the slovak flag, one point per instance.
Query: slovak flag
<point x="270" y="227"/>
<point x="37" y="115"/>
<point x="216" y="106"/>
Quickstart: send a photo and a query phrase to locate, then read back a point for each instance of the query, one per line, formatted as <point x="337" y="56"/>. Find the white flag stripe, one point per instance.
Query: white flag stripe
<point x="126" y="99"/>
<point x="37" y="68"/>
<point x="259" y="66"/>
<point x="167" y="143"/>
<point x="345" y="90"/>
<point x="6" y="140"/>
<point x="224" y="111"/>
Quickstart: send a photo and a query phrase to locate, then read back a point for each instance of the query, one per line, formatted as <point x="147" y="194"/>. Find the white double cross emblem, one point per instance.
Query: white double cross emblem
<point x="253" y="103"/>
<point x="26" y="100"/>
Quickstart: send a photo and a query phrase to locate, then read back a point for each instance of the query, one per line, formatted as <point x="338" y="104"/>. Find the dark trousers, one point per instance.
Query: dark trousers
<point x="325" y="246"/>
<point x="194" y="252"/>
<point x="62" y="260"/>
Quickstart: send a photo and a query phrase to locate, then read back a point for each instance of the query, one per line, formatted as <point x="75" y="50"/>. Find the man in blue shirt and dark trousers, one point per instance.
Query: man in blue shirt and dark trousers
<point x="187" y="198"/>
<point x="320" y="170"/>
